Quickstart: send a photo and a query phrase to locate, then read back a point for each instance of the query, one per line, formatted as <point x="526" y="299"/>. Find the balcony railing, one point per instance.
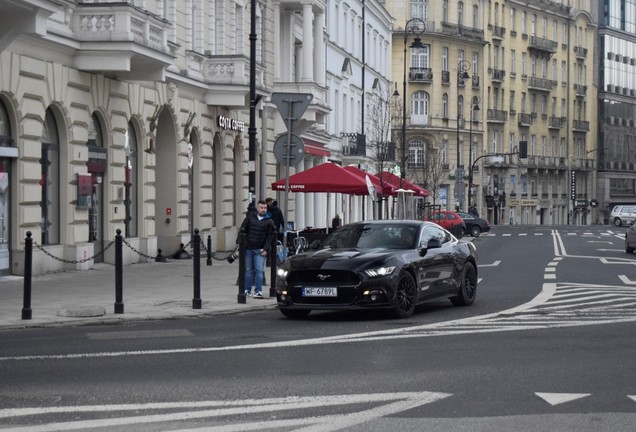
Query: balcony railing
<point x="420" y="74"/>
<point x="581" y="90"/>
<point x="525" y="119"/>
<point x="475" y="79"/>
<point x="541" y="44"/>
<point x="498" y="32"/>
<point x="498" y="75"/>
<point x="496" y="116"/>
<point x="445" y="77"/>
<point x="542" y="84"/>
<point x="555" y="122"/>
<point x="581" y="53"/>
<point x="471" y="33"/>
<point x="581" y="125"/>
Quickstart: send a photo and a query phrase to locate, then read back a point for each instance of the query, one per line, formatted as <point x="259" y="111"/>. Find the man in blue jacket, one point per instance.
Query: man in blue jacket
<point x="258" y="228"/>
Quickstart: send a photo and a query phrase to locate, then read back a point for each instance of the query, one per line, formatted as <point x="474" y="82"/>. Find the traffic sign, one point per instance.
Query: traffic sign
<point x="296" y="149"/>
<point x="291" y="106"/>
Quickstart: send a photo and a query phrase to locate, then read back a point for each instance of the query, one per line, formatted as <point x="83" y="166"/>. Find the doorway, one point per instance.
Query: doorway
<point x="5" y="228"/>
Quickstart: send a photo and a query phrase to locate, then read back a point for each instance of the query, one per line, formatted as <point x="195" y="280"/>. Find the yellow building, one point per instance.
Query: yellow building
<point x="522" y="71"/>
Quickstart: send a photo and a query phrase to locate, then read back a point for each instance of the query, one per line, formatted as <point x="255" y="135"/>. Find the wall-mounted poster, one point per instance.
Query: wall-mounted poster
<point x="84" y="190"/>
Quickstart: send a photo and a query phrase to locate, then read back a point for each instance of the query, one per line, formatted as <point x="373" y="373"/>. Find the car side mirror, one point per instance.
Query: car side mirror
<point x="431" y="244"/>
<point x="315" y="245"/>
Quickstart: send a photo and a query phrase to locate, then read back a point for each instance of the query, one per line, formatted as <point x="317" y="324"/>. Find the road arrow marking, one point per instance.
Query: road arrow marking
<point x="626" y="280"/>
<point x="632" y="398"/>
<point x="559" y="398"/>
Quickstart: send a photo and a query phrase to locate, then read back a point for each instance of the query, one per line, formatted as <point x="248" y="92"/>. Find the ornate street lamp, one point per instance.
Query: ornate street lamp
<point x="474" y="106"/>
<point x="416" y="27"/>
<point x="463" y="66"/>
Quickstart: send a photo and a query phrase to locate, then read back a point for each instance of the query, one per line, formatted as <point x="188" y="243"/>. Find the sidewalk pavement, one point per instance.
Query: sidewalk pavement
<point x="149" y="291"/>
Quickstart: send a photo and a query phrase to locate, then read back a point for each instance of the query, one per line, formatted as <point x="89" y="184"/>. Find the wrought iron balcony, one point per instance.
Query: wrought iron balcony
<point x="581" y="125"/>
<point x="581" y="53"/>
<point x="471" y="33"/>
<point x="525" y="119"/>
<point x="496" y="116"/>
<point x="445" y="77"/>
<point x="555" y="122"/>
<point x="581" y="90"/>
<point x="421" y="75"/>
<point x="498" y="75"/>
<point x="542" y="84"/>
<point x="498" y="33"/>
<point x="544" y="45"/>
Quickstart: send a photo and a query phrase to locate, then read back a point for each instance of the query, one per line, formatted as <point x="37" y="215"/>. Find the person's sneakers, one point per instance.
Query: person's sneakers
<point x="258" y="295"/>
<point x="248" y="294"/>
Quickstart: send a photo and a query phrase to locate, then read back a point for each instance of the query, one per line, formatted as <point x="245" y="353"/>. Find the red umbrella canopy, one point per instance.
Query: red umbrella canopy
<point x="383" y="188"/>
<point x="326" y="177"/>
<point x="397" y="181"/>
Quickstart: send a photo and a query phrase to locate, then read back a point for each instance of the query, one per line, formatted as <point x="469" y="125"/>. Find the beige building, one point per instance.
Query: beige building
<point x="528" y="66"/>
<point x="126" y="116"/>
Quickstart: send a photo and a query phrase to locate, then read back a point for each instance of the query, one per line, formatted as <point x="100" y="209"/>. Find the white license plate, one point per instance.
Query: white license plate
<point x="320" y="292"/>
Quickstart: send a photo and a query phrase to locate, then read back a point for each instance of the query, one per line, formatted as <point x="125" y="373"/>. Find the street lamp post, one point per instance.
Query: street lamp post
<point x="463" y="66"/>
<point x="416" y="27"/>
<point x="474" y="106"/>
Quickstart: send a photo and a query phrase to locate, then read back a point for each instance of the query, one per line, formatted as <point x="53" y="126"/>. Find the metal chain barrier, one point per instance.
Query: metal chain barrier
<point x="72" y="261"/>
<point x="132" y="248"/>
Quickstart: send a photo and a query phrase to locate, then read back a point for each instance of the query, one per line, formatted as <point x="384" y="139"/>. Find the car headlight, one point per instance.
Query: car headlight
<point x="282" y="273"/>
<point x="379" y="271"/>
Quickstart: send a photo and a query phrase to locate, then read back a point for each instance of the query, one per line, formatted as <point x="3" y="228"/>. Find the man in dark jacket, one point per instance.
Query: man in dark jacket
<point x="258" y="229"/>
<point x="277" y="214"/>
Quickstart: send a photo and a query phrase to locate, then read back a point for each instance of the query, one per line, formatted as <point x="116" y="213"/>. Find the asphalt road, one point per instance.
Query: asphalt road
<point x="548" y="346"/>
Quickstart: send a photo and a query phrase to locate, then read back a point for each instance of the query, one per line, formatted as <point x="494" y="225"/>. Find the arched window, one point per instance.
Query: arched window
<point x="417" y="153"/>
<point x="50" y="182"/>
<point x="419" y="108"/>
<point x="5" y="192"/>
<point x="130" y="182"/>
<point x="445" y="105"/>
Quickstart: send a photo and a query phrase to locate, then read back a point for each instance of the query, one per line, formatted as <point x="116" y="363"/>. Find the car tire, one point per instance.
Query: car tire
<point x="468" y="286"/>
<point x="405" y="296"/>
<point x="295" y="313"/>
<point x="617" y="222"/>
<point x="475" y="231"/>
<point x="628" y="249"/>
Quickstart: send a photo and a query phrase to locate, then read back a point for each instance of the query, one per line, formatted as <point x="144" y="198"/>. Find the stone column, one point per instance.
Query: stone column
<point x="308" y="43"/>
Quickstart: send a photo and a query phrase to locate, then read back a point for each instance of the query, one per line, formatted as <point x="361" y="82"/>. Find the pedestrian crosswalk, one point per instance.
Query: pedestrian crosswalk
<point x="565" y="232"/>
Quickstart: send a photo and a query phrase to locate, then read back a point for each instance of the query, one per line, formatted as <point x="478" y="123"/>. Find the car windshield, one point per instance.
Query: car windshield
<point x="372" y="236"/>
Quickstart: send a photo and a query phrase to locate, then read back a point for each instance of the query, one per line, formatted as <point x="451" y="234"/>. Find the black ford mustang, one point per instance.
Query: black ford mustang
<point x="379" y="264"/>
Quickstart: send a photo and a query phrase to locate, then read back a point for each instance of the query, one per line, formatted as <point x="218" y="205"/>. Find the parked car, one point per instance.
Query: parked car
<point x="449" y="220"/>
<point x="623" y="215"/>
<point x="630" y="239"/>
<point x="382" y="264"/>
<point x="474" y="225"/>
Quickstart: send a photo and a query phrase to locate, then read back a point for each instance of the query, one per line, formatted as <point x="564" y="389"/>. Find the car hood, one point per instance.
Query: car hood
<point x="338" y="259"/>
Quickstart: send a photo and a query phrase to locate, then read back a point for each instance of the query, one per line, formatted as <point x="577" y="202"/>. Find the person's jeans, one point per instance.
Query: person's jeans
<point x="254" y="267"/>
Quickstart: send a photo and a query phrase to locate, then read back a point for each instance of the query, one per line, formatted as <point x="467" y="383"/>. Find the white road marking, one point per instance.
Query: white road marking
<point x="626" y="280"/>
<point x="549" y="276"/>
<point x="600" y="241"/>
<point x="559" y="398"/>
<point x="391" y="403"/>
<point x="495" y="264"/>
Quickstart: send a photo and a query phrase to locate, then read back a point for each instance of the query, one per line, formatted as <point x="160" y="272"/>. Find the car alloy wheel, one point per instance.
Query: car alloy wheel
<point x="468" y="286"/>
<point x="617" y="222"/>
<point x="475" y="231"/>
<point x="405" y="296"/>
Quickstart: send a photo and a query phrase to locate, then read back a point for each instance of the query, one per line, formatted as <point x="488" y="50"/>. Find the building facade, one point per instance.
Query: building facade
<point x="616" y="144"/>
<point x="126" y="116"/>
<point x="526" y="66"/>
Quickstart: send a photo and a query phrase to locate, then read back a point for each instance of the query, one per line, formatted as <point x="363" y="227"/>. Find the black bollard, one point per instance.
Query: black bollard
<point x="272" y="275"/>
<point x="209" y="260"/>
<point x="196" y="269"/>
<point x="119" y="271"/>
<point x="159" y="257"/>
<point x="28" y="266"/>
<point x="241" y="276"/>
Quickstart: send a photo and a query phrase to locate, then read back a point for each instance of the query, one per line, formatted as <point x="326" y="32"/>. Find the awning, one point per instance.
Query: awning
<point x="403" y="183"/>
<point x="315" y="148"/>
<point x="382" y="188"/>
<point x="326" y="177"/>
